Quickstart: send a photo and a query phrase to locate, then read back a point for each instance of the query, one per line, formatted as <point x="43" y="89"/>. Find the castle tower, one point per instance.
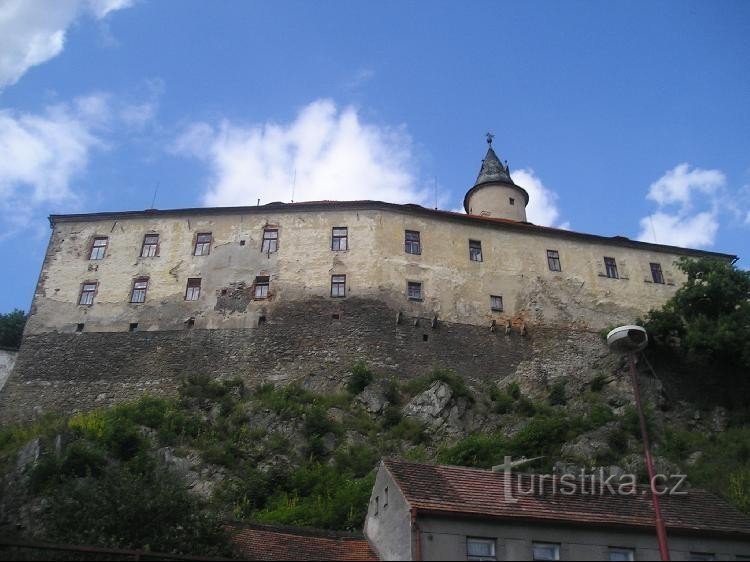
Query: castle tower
<point x="494" y="194"/>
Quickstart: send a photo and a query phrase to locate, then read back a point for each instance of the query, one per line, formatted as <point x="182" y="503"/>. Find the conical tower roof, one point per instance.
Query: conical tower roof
<point x="493" y="170"/>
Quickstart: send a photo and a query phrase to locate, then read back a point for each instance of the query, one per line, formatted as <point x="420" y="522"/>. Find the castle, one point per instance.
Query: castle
<point x="126" y="301"/>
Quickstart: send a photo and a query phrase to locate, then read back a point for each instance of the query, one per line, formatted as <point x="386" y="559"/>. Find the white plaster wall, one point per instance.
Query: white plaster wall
<point x="7" y="360"/>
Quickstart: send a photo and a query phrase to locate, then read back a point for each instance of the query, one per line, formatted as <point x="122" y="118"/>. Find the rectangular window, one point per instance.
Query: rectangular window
<point x="98" y="248"/>
<point x="150" y="246"/>
<point x="270" y="240"/>
<point x="656" y="273"/>
<point x="262" y="282"/>
<point x="339" y="239"/>
<point x="138" y="294"/>
<point x="553" y="260"/>
<point x="87" y="293"/>
<point x="545" y="551"/>
<point x="701" y="556"/>
<point x="620" y="554"/>
<point x="338" y="285"/>
<point x="611" y="266"/>
<point x="480" y="549"/>
<point x="475" y="250"/>
<point x="412" y="244"/>
<point x="496" y="303"/>
<point x="202" y="244"/>
<point x="414" y="290"/>
<point x="193" y="290"/>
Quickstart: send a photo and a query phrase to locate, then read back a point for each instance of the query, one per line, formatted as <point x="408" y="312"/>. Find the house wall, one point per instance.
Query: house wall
<point x="388" y="523"/>
<point x="7" y="360"/>
<point x="445" y="539"/>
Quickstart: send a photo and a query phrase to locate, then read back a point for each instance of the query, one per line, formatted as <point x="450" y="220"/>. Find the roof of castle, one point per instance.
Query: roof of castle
<point x="454" y="490"/>
<point x="493" y="172"/>
<point x="307" y="206"/>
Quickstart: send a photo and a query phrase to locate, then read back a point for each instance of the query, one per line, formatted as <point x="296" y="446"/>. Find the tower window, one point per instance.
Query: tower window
<point x="412" y="244"/>
<point x="475" y="250"/>
<point x="553" y="260"/>
<point x="150" y="246"/>
<point x="262" y="283"/>
<point x="339" y="239"/>
<point x="88" y="290"/>
<point x="193" y="290"/>
<point x="656" y="273"/>
<point x="98" y="248"/>
<point x="611" y="266"/>
<point x="338" y="285"/>
<point x="270" y="240"/>
<point x="138" y="294"/>
<point x="512" y="201"/>
<point x="496" y="303"/>
<point x="414" y="290"/>
<point x="202" y="244"/>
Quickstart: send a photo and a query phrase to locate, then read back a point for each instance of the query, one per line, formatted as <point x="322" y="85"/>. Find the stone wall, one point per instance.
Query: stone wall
<point x="314" y="342"/>
<point x="7" y="360"/>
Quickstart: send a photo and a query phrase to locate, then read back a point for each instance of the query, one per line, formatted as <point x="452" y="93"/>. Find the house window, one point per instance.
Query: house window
<point x="611" y="266"/>
<point x="339" y="239"/>
<point x="553" y="260"/>
<point x="262" y="282"/>
<point x="496" y="303"/>
<point x="414" y="290"/>
<point x="411" y="243"/>
<point x="475" y="250"/>
<point x="385" y="499"/>
<point x="512" y="201"/>
<point x="270" y="240"/>
<point x="338" y="285"/>
<point x="656" y="273"/>
<point x="193" y="290"/>
<point x="87" y="294"/>
<point x="138" y="294"/>
<point x="701" y="556"/>
<point x="480" y="549"/>
<point x="98" y="248"/>
<point x="545" y="551"/>
<point x="150" y="246"/>
<point x="202" y="244"/>
<point x="620" y="554"/>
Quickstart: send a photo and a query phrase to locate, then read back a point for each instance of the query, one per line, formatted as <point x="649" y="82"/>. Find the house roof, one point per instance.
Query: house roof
<point x="267" y="542"/>
<point x="481" y="493"/>
<point x="489" y="222"/>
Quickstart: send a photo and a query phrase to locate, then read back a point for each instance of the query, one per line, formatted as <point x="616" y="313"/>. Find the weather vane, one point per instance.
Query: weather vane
<point x="490" y="136"/>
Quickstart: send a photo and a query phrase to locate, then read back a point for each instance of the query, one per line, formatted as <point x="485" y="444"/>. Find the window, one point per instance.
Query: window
<point x="193" y="290"/>
<point x="339" y="239"/>
<point x="496" y="303"/>
<point x="553" y="260"/>
<point x="611" y="266"/>
<point x="338" y="285"/>
<point x="414" y="290"/>
<point x="88" y="290"/>
<point x="511" y="201"/>
<point x="545" y="551"/>
<point x="202" y="244"/>
<point x="621" y="554"/>
<point x="480" y="549"/>
<point x="411" y="243"/>
<point x="150" y="246"/>
<point x="385" y="500"/>
<point x="262" y="282"/>
<point x="270" y="240"/>
<point x="98" y="248"/>
<point x="475" y="250"/>
<point x="701" y="556"/>
<point x="138" y="295"/>
<point x="656" y="273"/>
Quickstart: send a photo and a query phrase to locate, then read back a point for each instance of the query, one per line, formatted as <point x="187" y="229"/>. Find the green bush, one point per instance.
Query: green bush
<point x="514" y="391"/>
<point x="408" y="430"/>
<point x="391" y="417"/>
<point x="525" y="407"/>
<point x="83" y="459"/>
<point x="454" y="381"/>
<point x="598" y="383"/>
<point x="557" y="395"/>
<point x="360" y="379"/>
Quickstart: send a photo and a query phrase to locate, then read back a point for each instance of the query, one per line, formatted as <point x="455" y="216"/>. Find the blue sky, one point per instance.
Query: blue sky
<point x="619" y="118"/>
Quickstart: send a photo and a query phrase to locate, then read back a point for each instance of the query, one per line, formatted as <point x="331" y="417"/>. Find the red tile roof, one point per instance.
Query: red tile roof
<point x="474" y="492"/>
<point x="266" y="542"/>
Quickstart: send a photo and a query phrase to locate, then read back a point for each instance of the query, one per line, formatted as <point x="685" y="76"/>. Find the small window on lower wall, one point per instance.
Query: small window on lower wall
<point x="496" y="303"/>
<point x="545" y="551"/>
<point x="138" y="294"/>
<point x="262" y="282"/>
<point x="656" y="273"/>
<point x="338" y="285"/>
<point x="88" y="290"/>
<point x="193" y="290"/>
<point x="414" y="290"/>
<point x="617" y="554"/>
<point x="702" y="556"/>
<point x="480" y="549"/>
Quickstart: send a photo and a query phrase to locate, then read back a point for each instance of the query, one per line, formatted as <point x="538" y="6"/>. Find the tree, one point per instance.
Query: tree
<point x="11" y="328"/>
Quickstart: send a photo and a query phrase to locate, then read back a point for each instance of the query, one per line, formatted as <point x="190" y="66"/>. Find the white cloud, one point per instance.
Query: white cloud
<point x="542" y="208"/>
<point x="330" y="151"/>
<point x="688" y="203"/>
<point x="33" y="31"/>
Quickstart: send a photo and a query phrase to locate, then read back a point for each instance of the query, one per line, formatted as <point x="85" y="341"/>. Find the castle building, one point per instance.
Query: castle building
<point x="229" y="273"/>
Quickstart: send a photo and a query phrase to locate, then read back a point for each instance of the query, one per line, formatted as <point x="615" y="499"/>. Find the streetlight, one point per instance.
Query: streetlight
<point x="630" y="340"/>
